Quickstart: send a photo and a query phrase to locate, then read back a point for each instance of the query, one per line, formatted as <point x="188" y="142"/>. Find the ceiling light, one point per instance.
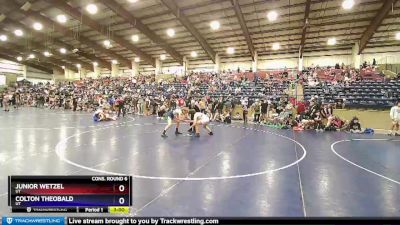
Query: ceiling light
<point x="63" y="67"/>
<point x="115" y="62"/>
<point x="19" y="58"/>
<point x="37" y="26"/>
<point x="132" y="1"/>
<point x="137" y="59"/>
<point x="348" y="4"/>
<point x="31" y="56"/>
<point x="193" y="54"/>
<point x="78" y="65"/>
<point x="91" y="8"/>
<point x="135" y="38"/>
<point x="47" y="54"/>
<point x="95" y="64"/>
<point x="272" y="15"/>
<point x="398" y="36"/>
<point x="63" y="50"/>
<point x="276" y="46"/>
<point x="163" y="57"/>
<point x="3" y="37"/>
<point x="171" y="32"/>
<point x="230" y="50"/>
<point x="18" y="32"/>
<point x="331" y="41"/>
<point x="62" y="18"/>
<point x="107" y="43"/>
<point x="215" y="25"/>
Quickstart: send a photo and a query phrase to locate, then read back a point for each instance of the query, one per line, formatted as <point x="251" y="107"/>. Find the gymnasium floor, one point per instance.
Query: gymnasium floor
<point x="240" y="171"/>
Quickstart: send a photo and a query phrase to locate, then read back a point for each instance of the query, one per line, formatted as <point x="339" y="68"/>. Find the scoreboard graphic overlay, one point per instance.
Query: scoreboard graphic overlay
<point x="88" y="194"/>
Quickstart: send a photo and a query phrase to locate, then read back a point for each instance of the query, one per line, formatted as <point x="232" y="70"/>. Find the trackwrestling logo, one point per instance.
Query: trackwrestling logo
<point x="33" y="220"/>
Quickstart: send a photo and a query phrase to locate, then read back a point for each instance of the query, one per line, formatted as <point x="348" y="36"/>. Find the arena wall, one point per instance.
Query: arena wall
<point x="277" y="62"/>
<point x="14" y="71"/>
<point x="243" y="63"/>
<point x="383" y="55"/>
<point x="289" y="61"/>
<point x="379" y="120"/>
<point x="10" y="67"/>
<point x="391" y="54"/>
<point x="376" y="119"/>
<point x="33" y="73"/>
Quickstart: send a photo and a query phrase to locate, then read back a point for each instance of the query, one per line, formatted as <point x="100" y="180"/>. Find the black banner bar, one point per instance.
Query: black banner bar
<point x="206" y="221"/>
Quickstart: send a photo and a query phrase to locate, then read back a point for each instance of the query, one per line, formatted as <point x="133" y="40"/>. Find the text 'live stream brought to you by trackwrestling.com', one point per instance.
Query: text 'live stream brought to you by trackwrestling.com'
<point x="19" y="220"/>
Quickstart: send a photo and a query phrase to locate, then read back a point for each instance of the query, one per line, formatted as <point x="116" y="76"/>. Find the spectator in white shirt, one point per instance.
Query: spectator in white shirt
<point x="395" y="116"/>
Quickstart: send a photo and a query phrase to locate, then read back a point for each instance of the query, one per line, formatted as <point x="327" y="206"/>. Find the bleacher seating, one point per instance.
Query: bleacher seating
<point x="277" y="75"/>
<point x="370" y="74"/>
<point x="358" y="94"/>
<point x="262" y="89"/>
<point x="330" y="74"/>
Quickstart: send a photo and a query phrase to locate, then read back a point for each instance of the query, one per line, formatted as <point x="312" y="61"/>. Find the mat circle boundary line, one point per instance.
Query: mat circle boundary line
<point x="62" y="146"/>
<point x="359" y="166"/>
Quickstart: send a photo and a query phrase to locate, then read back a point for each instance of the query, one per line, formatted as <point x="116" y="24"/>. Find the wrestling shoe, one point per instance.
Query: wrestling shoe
<point x="164" y="135"/>
<point x="197" y="135"/>
<point x="177" y="133"/>
<point x="211" y="133"/>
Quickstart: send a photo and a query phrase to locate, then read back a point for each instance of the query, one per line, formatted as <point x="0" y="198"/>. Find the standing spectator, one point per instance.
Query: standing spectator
<point x="395" y="116"/>
<point x="41" y="101"/>
<point x="1" y="99"/>
<point x="134" y="103"/>
<point x="257" y="111"/>
<point x="245" y="112"/>
<point x="220" y="106"/>
<point x="121" y="106"/>
<point x="140" y="106"/>
<point x="17" y="99"/>
<point x="264" y="110"/>
<point x="74" y="103"/>
<point x="6" y="102"/>
<point x="214" y="106"/>
<point x="14" y="100"/>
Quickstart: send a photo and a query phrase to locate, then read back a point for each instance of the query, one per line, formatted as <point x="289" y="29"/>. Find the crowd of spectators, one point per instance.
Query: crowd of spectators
<point x="224" y="97"/>
<point x="316" y="75"/>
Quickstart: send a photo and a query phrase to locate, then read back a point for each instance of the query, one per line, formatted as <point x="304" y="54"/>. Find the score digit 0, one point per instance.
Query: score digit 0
<point x="121" y="188"/>
<point x="121" y="201"/>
